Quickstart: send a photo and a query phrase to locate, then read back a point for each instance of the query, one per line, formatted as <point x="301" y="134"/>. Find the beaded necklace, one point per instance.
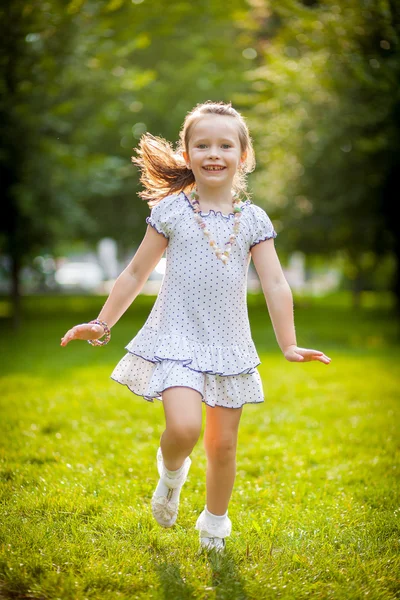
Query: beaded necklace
<point x="238" y="205"/>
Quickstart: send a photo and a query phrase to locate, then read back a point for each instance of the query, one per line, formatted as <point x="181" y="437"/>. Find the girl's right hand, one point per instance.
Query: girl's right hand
<point x="85" y="331"/>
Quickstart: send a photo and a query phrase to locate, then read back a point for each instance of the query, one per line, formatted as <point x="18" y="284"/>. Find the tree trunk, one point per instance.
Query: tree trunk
<point x="390" y="203"/>
<point x="16" y="291"/>
<point x="356" y="292"/>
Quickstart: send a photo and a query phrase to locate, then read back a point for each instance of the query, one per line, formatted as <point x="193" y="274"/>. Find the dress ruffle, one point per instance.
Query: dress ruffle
<point x="148" y="379"/>
<point x="204" y="358"/>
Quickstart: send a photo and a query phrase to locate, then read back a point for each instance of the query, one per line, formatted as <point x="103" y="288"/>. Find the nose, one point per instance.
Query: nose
<point x="213" y="153"/>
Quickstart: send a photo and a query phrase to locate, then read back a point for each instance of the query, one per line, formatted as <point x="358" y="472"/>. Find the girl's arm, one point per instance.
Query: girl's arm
<point x="131" y="281"/>
<point x="279" y="300"/>
<point x="126" y="287"/>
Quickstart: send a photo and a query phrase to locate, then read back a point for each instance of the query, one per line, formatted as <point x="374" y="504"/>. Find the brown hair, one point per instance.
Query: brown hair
<point x="163" y="169"/>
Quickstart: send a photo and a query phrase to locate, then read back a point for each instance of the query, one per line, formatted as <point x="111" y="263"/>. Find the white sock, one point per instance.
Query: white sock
<point x="176" y="473"/>
<point x="215" y="518"/>
<point x="209" y="524"/>
<point x="162" y="489"/>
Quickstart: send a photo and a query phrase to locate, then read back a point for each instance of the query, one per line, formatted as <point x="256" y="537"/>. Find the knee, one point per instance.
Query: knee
<point x="185" y="435"/>
<point x="220" y="449"/>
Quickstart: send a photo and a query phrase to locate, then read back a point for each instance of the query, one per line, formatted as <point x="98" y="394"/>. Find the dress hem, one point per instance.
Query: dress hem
<point x="152" y="398"/>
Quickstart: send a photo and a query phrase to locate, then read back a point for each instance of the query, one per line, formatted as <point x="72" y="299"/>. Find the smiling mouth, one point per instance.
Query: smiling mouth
<point x="214" y="168"/>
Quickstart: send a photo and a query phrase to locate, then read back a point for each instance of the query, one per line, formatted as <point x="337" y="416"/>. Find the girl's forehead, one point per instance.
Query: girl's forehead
<point x="215" y="126"/>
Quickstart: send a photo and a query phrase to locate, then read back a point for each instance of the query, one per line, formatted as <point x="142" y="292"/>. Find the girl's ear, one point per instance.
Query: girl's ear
<point x="186" y="159"/>
<point x="243" y="158"/>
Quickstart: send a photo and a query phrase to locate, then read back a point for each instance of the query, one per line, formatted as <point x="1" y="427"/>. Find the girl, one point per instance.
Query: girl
<point x="196" y="344"/>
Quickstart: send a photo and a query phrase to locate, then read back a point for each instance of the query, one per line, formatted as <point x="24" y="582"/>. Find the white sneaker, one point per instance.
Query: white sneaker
<point x="165" y="506"/>
<point x="213" y="530"/>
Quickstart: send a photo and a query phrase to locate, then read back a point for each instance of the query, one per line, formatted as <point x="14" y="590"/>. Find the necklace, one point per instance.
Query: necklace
<point x="222" y="254"/>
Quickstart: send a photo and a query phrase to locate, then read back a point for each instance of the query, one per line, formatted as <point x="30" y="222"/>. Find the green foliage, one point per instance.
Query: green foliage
<point x="324" y="108"/>
<point x="317" y="81"/>
<point x="88" y="82"/>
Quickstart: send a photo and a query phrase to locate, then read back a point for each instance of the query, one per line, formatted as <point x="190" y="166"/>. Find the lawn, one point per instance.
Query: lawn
<point x="315" y="508"/>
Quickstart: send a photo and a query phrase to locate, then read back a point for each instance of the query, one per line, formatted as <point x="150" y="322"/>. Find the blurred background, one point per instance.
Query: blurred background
<point x="318" y="82"/>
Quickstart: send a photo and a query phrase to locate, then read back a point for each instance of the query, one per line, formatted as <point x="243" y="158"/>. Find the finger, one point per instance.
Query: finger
<point x="70" y="335"/>
<point x="318" y="356"/>
<point x="324" y="356"/>
<point x="311" y="352"/>
<point x="66" y="339"/>
<point x="324" y="359"/>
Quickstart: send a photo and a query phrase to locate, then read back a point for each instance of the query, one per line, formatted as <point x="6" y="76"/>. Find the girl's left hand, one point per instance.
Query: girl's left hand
<point x="296" y="354"/>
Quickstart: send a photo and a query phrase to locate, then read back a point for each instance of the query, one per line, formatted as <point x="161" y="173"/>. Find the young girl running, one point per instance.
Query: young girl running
<point x="196" y="344"/>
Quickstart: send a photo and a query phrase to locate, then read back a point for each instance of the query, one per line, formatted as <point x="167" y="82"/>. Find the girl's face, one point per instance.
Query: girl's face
<point x="214" y="152"/>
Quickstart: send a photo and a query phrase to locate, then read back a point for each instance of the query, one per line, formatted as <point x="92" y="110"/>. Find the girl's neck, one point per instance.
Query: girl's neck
<point x="214" y="197"/>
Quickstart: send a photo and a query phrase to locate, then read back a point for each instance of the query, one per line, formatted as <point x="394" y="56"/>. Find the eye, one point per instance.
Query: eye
<point x="200" y="145"/>
<point x="227" y="145"/>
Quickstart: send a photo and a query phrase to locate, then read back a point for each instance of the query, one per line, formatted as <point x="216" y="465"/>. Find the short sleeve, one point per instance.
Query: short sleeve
<point x="161" y="216"/>
<point x="262" y="226"/>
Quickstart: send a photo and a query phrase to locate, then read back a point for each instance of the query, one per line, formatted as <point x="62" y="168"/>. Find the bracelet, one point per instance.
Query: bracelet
<point x="107" y="333"/>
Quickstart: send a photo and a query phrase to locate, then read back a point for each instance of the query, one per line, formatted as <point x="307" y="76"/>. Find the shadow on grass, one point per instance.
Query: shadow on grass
<point x="17" y="591"/>
<point x="225" y="583"/>
<point x="226" y="580"/>
<point x="172" y="582"/>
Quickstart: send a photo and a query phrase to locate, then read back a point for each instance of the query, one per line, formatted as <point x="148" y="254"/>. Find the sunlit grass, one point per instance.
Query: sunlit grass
<point x="315" y="507"/>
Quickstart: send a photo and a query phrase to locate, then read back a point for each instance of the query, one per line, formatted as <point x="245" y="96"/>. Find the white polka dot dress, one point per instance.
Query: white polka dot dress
<point x="198" y="332"/>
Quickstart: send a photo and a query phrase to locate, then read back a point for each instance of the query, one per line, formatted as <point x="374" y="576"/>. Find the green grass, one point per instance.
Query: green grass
<point x="315" y="508"/>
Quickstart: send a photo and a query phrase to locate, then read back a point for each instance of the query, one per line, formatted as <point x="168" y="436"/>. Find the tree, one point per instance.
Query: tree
<point x="34" y="46"/>
<point x="327" y="122"/>
<point x="82" y="82"/>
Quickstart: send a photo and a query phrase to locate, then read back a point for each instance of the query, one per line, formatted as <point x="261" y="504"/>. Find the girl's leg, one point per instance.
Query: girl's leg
<point x="183" y="417"/>
<point x="220" y="442"/>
